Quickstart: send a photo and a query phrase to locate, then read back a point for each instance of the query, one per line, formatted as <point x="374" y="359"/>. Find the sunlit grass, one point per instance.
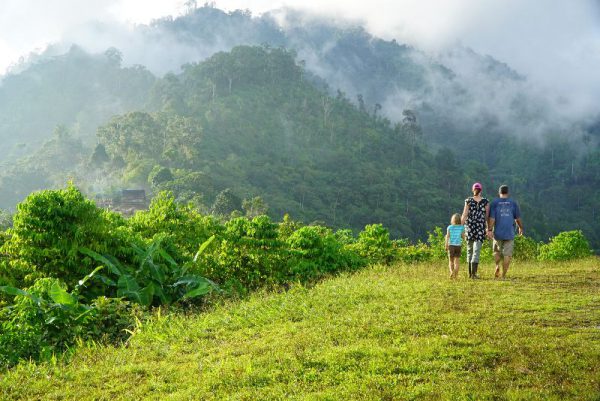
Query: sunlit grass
<point x="386" y="333"/>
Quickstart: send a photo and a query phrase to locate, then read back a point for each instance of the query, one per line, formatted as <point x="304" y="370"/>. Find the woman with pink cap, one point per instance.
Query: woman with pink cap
<point x="475" y="216"/>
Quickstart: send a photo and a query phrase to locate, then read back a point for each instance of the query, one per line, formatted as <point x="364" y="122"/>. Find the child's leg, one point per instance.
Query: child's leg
<point x="456" y="265"/>
<point x="450" y="265"/>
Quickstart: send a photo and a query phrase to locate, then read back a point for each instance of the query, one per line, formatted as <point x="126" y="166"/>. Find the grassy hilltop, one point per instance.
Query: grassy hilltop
<point x="385" y="333"/>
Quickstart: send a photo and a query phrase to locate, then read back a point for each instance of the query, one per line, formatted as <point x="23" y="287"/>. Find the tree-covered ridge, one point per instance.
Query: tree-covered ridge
<point x="77" y="90"/>
<point x="250" y="120"/>
<point x="258" y="122"/>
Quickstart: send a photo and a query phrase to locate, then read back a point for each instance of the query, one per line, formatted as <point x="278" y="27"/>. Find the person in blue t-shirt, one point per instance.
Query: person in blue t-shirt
<point x="504" y="212"/>
<point x="454" y="236"/>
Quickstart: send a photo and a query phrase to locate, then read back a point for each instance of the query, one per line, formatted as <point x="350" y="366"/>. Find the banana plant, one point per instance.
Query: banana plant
<point x="157" y="279"/>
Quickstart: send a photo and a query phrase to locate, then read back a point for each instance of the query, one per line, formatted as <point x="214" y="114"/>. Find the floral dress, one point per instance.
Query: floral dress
<point x="475" y="224"/>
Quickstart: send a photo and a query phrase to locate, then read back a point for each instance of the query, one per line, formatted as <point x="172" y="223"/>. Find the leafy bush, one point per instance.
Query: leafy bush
<point x="43" y="320"/>
<point x="316" y="251"/>
<point x="414" y="253"/>
<point x="156" y="280"/>
<point x="565" y="246"/>
<point x="374" y="244"/>
<point x="182" y="228"/>
<point x="287" y="227"/>
<point x="525" y="248"/>
<point x="247" y="255"/>
<point x="49" y="227"/>
<point x="437" y="240"/>
<point x="345" y="237"/>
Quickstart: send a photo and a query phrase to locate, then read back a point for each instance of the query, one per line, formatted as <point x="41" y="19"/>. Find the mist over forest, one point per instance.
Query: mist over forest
<point x="321" y="120"/>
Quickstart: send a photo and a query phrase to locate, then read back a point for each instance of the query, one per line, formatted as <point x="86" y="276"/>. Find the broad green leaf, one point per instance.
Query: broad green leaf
<point x="190" y="280"/>
<point x="158" y="291"/>
<point x="203" y="247"/>
<point x="156" y="272"/>
<point x="106" y="280"/>
<point x="200" y="290"/>
<point x="128" y="284"/>
<point x="167" y="257"/>
<point x="15" y="291"/>
<point x="146" y="295"/>
<point x="102" y="259"/>
<point x="60" y="295"/>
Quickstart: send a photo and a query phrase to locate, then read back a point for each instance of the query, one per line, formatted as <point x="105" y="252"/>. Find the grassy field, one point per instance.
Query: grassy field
<point x="385" y="333"/>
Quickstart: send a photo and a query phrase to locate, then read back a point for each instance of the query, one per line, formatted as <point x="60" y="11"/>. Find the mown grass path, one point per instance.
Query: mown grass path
<point x="385" y="333"/>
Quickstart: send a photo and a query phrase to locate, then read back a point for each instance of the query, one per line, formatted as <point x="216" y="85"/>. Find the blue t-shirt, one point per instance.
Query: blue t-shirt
<point x="504" y="211"/>
<point x="455" y="232"/>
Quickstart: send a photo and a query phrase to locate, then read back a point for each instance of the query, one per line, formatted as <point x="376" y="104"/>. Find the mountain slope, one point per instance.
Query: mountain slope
<point x="77" y="90"/>
<point x="252" y="122"/>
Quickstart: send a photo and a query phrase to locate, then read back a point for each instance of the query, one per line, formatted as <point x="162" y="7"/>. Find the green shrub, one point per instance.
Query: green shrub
<point x="565" y="246"/>
<point x="414" y="253"/>
<point x="374" y="244"/>
<point x="182" y="228"/>
<point x="287" y="227"/>
<point x="345" y="237"/>
<point x="247" y="255"/>
<point x="157" y="279"/>
<point x="42" y="320"/>
<point x="49" y="227"/>
<point x="526" y="248"/>
<point x="316" y="251"/>
<point x="436" y="240"/>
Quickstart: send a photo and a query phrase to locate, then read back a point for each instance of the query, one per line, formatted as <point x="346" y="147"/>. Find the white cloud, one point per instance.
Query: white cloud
<point x="555" y="43"/>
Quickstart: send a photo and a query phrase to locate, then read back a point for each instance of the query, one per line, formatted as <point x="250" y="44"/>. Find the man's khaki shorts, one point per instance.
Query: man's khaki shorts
<point x="504" y="246"/>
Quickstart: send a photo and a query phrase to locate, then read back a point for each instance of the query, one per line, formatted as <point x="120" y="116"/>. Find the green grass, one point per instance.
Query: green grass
<point x="385" y="333"/>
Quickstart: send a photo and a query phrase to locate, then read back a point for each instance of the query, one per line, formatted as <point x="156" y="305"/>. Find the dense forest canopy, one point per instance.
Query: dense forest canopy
<point x="356" y="131"/>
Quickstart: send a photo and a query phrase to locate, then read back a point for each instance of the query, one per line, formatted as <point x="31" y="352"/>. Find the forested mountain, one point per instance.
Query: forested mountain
<point x="347" y="128"/>
<point x="77" y="90"/>
<point x="249" y="120"/>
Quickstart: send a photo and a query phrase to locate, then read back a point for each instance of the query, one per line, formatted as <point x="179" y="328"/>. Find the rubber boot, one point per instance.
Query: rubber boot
<point x="470" y="270"/>
<point x="474" y="269"/>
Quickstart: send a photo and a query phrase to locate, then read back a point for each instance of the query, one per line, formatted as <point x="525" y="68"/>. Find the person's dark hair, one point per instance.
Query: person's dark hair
<point x="503" y="189"/>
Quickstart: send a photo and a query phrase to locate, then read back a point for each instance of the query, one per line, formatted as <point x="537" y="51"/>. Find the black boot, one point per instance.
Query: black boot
<point x="474" y="269"/>
<point x="470" y="270"/>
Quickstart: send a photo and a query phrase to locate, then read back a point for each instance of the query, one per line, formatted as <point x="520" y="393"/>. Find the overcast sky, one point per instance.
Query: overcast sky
<point x="553" y="42"/>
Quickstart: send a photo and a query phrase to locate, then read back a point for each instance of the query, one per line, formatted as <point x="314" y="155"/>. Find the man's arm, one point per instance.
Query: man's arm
<point x="491" y="220"/>
<point x="520" y="224"/>
<point x="517" y="212"/>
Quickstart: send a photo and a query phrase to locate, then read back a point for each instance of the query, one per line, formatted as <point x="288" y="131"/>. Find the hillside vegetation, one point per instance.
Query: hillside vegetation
<point x="255" y="122"/>
<point x="398" y="332"/>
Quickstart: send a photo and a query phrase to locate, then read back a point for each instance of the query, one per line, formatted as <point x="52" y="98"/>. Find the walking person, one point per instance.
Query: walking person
<point x="504" y="213"/>
<point x="475" y="216"/>
<point x="454" y="236"/>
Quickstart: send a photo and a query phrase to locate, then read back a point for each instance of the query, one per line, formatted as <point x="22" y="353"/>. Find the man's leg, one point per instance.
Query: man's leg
<point x="497" y="257"/>
<point x="505" y="265"/>
<point x="507" y="251"/>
